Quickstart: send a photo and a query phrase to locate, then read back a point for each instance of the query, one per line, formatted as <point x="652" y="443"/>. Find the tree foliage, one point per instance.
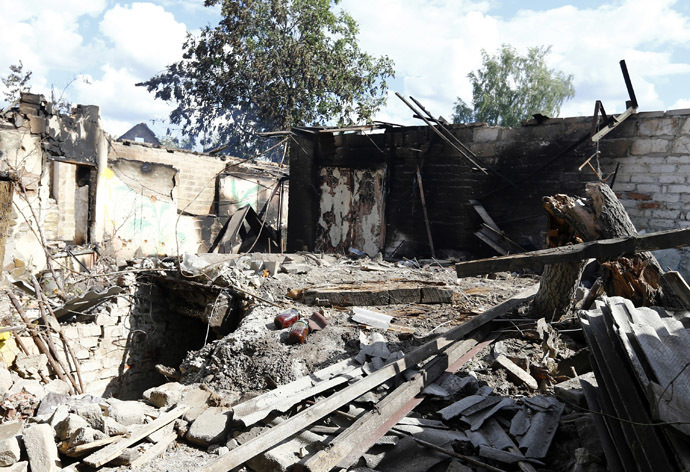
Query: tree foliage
<point x="509" y="88"/>
<point x="270" y="65"/>
<point x="16" y="82"/>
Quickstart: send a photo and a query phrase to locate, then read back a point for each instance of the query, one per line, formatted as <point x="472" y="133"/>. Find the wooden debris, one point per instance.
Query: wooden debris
<point x="154" y="450"/>
<point x="312" y="414"/>
<point x="78" y="451"/>
<point x="349" y="446"/>
<point x="517" y="372"/>
<point x="288" y="395"/>
<point x="377" y="293"/>
<point x="603" y="249"/>
<point x="111" y="451"/>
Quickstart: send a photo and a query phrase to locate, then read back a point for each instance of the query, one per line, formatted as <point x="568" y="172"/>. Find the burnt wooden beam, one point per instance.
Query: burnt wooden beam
<point x="601" y="249"/>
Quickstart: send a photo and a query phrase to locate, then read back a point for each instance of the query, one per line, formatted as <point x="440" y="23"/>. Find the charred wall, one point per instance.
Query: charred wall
<point x="540" y="158"/>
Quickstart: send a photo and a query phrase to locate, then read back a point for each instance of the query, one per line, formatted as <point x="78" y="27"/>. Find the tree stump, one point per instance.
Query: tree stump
<point x="600" y="216"/>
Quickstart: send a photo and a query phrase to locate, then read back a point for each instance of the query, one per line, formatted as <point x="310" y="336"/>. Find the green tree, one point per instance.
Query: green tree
<point x="16" y="82"/>
<point x="270" y="65"/>
<point x="509" y="88"/>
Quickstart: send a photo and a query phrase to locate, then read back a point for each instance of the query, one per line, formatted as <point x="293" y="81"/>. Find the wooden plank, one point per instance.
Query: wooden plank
<point x="679" y="286"/>
<point x="110" y="452"/>
<point x="378" y="293"/>
<point x="485" y="237"/>
<point x="484" y="215"/>
<point x="601" y="249"/>
<point x="616" y="121"/>
<point x="285" y="396"/>
<point x="82" y="449"/>
<point x="155" y="450"/>
<point x="349" y="446"/>
<point x="517" y="372"/>
<point x="314" y="413"/>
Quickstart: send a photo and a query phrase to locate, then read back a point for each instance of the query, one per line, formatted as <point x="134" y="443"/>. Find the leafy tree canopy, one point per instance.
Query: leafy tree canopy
<point x="509" y="88"/>
<point x="16" y="82"/>
<point x="270" y="65"/>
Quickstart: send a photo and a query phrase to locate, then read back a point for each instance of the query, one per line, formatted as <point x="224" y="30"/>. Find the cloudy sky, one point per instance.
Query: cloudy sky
<point x="96" y="50"/>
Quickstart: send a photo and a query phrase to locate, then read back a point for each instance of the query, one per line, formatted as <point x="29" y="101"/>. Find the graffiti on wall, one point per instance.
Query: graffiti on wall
<point x="141" y="225"/>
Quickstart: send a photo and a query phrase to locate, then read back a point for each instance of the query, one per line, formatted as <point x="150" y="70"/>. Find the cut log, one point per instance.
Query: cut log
<point x="602" y="216"/>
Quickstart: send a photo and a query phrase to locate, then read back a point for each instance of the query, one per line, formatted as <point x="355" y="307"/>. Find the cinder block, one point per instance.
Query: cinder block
<point x="661" y="224"/>
<point x="681" y="145"/>
<point x="88" y="342"/>
<point x="679" y="189"/>
<point x="650" y="146"/>
<point x="665" y="197"/>
<point x="670" y="179"/>
<point x="657" y="127"/>
<point x="649" y="188"/>
<point x="662" y="168"/>
<point x="486" y="134"/>
<point x="669" y="214"/>
<point x="88" y="329"/>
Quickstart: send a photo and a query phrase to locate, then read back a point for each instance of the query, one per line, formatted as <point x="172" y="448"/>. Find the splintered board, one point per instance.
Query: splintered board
<point x="379" y="293"/>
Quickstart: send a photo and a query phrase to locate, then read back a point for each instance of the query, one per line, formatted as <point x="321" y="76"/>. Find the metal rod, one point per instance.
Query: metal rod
<point x="426" y="215"/>
<point x="445" y="138"/>
<point x="451" y="136"/>
<point x="628" y="84"/>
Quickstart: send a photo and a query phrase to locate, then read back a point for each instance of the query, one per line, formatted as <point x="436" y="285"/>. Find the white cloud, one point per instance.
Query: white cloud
<point x="436" y="44"/>
<point x="144" y="36"/>
<point x="122" y="104"/>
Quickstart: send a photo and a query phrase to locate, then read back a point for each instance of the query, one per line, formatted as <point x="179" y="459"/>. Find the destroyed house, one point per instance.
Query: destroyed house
<point x="390" y="309"/>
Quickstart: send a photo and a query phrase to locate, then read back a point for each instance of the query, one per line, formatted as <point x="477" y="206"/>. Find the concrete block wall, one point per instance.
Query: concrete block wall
<point x="652" y="150"/>
<point x="196" y="190"/>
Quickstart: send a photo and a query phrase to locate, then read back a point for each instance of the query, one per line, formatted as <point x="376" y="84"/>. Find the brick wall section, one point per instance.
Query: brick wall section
<point x="118" y="352"/>
<point x="653" y="181"/>
<point x="196" y="189"/>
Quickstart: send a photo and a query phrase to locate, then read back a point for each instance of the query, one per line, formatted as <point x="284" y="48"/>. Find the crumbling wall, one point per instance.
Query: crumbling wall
<point x="197" y="173"/>
<point x="119" y="345"/>
<point x="651" y="150"/>
<point x="20" y="152"/>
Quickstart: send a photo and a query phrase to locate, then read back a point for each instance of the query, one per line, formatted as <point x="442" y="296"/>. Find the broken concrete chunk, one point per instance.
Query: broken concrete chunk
<point x="5" y="379"/>
<point x="41" y="449"/>
<point x="92" y="413"/>
<point x="57" y="386"/>
<point x="67" y="427"/>
<point x="111" y="427"/>
<point x="570" y="391"/>
<point x="164" y="396"/>
<point x="517" y="372"/>
<point x="371" y="318"/>
<point x="9" y="451"/>
<point x="161" y="434"/>
<point x="84" y="436"/>
<point x="34" y="387"/>
<point x="126" y="413"/>
<point x="209" y="428"/>
<point x="196" y="398"/>
<point x="31" y="367"/>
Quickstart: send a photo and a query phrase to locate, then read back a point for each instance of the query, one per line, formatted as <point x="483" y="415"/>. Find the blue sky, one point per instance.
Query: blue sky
<point x="108" y="46"/>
